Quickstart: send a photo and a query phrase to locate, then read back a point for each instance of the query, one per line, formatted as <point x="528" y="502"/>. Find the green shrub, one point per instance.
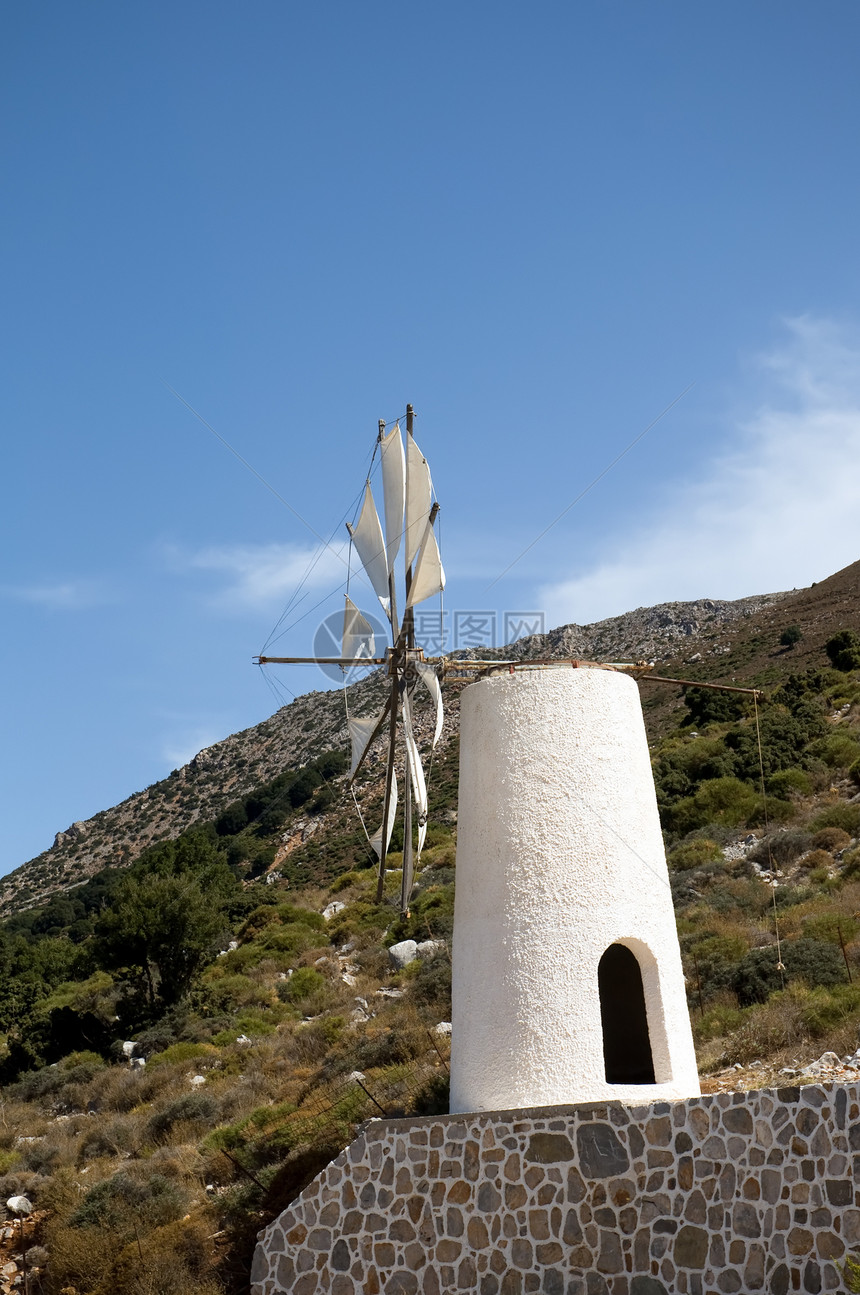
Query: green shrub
<point x="345" y="880"/>
<point x="717" y="1021"/>
<point x="229" y="991"/>
<point x="851" y="864"/>
<point x="720" y="800"/>
<point x="845" y="816"/>
<point x="432" y="984"/>
<point x="815" y="962"/>
<point x="693" y="854"/>
<point x="119" y="1201"/>
<point x="783" y="847"/>
<point x="844" y="650"/>
<point x="789" y="782"/>
<point x="305" y="986"/>
<point x="854" y="772"/>
<point x="191" y="1108"/>
<point x="851" y="1274"/>
<point x="180" y="1052"/>
<point x="825" y="1008"/>
<point x="257" y="921"/>
<point x="791" y="635"/>
<point x="838" y="750"/>
<point x="709" y="706"/>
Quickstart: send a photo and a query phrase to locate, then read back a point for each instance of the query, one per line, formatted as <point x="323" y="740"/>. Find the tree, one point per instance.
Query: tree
<point x="159" y="931"/>
<point x="844" y="650"/>
<point x="790" y="636"/>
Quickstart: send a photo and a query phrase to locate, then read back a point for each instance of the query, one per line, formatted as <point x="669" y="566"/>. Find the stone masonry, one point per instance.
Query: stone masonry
<point x="735" y="1192"/>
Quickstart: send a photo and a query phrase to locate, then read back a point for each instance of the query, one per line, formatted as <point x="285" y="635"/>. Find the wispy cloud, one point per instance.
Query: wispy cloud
<point x="262" y="575"/>
<point x="182" y="746"/>
<point x="64" y="595"/>
<point x="779" y="511"/>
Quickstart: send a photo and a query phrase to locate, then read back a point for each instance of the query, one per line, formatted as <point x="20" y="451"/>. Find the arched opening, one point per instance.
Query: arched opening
<point x="626" y="1043"/>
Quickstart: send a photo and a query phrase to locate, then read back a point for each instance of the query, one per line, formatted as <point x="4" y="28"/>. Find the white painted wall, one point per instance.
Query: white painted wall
<point x="559" y="855"/>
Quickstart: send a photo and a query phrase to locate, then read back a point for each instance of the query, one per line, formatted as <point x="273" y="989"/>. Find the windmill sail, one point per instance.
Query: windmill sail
<point x="418" y="788"/>
<point x="429" y="577"/>
<point x="393" y="491"/>
<point x="370" y="546"/>
<point x="430" y="680"/>
<point x="419" y="490"/>
<point x="376" y="839"/>
<point x="361" y="734"/>
<point x="416" y="770"/>
<point x="358" y="637"/>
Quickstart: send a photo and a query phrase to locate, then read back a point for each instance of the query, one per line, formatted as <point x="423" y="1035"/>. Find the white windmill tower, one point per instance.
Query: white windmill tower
<point x="568" y="985"/>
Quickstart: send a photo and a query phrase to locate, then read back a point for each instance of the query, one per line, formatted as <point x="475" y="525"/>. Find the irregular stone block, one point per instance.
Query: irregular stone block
<point x="601" y="1154"/>
<point x="691" y="1247"/>
<point x="553" y="1148"/>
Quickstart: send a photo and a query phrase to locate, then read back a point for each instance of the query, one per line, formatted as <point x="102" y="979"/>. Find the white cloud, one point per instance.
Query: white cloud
<point x="264" y="575"/>
<point x="182" y="747"/>
<point x="779" y="511"/>
<point x="66" y="595"/>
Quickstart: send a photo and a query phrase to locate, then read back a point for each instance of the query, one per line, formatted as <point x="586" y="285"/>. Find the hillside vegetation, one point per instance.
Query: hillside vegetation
<point x="188" y="1038"/>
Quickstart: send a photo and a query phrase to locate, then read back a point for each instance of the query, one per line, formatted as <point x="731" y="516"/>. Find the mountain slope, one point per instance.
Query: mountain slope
<point x="706" y="639"/>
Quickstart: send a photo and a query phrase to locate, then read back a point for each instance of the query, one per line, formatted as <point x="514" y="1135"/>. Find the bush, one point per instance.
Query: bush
<point x="838" y="750"/>
<point x="782" y="847"/>
<point x="118" y="1201"/>
<point x="180" y="1052"/>
<point x="789" y="782"/>
<point x="694" y="854"/>
<point x="817" y="860"/>
<point x="432" y="984"/>
<point x="709" y="706"/>
<point x="719" y="800"/>
<point x="793" y="634"/>
<point x="844" y="650"/>
<point x="191" y="1108"/>
<point x="812" y="961"/>
<point x="308" y="991"/>
<point x="854" y="772"/>
<point x="845" y="816"/>
<point x="851" y="863"/>
<point x="831" y="839"/>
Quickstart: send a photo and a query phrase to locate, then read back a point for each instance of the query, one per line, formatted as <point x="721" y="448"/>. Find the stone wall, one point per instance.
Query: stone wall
<point x="733" y="1192"/>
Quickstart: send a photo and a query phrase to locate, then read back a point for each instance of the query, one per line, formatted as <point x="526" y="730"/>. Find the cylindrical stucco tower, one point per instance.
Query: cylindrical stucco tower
<point x="567" y="977"/>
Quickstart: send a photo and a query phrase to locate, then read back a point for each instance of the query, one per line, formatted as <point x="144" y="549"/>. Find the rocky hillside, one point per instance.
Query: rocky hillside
<point x="186" y="1041"/>
<point x="659" y="633"/>
<point x="703" y="639"/>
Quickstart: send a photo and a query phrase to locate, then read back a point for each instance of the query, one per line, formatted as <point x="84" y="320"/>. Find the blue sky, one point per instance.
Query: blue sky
<point x="538" y="223"/>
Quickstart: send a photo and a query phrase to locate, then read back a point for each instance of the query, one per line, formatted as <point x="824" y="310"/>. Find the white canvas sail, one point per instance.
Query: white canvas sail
<point x="358" y="637"/>
<point x="419" y="491"/>
<point x="413" y="760"/>
<point x="428" y="577"/>
<point x="370" y="546"/>
<point x="430" y="680"/>
<point x="393" y="491"/>
<point x="418" y="785"/>
<point x="361" y="734"/>
<point x="376" y="839"/>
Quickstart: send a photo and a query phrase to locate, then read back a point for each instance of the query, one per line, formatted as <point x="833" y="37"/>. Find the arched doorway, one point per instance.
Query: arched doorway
<point x="626" y="1042"/>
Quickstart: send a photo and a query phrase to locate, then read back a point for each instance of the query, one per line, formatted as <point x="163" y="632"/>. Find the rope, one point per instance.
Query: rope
<point x="779" y="963"/>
